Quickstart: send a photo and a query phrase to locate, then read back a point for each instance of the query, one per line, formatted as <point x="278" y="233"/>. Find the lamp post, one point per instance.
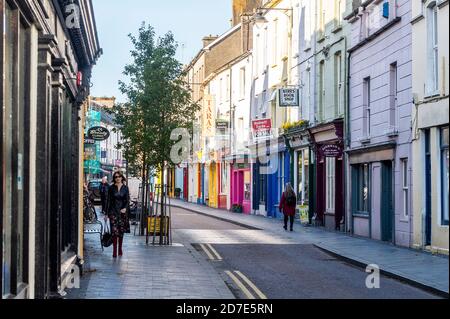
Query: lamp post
<point x="260" y="19"/>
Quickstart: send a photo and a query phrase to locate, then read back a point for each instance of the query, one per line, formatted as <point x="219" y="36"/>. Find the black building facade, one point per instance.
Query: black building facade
<point x="47" y="52"/>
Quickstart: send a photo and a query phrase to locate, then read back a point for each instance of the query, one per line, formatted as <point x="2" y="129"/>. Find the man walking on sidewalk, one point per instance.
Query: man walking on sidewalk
<point x="288" y="205"/>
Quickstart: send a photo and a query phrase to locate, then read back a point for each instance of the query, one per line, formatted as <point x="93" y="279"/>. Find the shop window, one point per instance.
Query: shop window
<point x="14" y="152"/>
<point x="247" y="185"/>
<point x="445" y="174"/>
<point x="303" y="177"/>
<point x="262" y="189"/>
<point x="224" y="178"/>
<point x="361" y="189"/>
<point x="331" y="184"/>
<point x="405" y="187"/>
<point x="281" y="173"/>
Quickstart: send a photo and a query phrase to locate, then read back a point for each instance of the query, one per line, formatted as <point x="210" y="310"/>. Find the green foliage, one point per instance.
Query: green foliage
<point x="158" y="100"/>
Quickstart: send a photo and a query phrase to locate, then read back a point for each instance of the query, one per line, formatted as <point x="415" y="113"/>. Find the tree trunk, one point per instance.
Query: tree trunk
<point x="142" y="221"/>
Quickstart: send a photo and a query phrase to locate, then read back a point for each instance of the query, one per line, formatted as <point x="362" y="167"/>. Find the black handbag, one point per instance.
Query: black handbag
<point x="107" y="238"/>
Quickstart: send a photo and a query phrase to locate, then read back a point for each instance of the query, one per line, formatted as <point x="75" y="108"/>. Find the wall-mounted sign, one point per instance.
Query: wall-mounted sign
<point x="208" y="116"/>
<point x="98" y="133"/>
<point x="262" y="129"/>
<point x="331" y="150"/>
<point x="222" y="125"/>
<point x="289" y="97"/>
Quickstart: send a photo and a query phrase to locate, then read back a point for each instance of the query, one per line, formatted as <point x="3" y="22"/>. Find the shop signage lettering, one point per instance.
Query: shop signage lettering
<point x="289" y="98"/>
<point x="222" y="125"/>
<point x="331" y="150"/>
<point x="262" y="129"/>
<point x="98" y="133"/>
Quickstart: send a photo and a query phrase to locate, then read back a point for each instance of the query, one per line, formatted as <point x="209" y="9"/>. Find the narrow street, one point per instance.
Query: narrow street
<point x="215" y="259"/>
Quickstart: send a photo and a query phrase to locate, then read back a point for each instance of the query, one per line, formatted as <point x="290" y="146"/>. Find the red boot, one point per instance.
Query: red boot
<point x="120" y="246"/>
<point x="114" y="247"/>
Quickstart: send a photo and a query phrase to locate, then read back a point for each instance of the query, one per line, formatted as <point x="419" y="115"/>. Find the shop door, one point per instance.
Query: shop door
<point x="240" y="181"/>
<point x="428" y="194"/>
<point x="387" y="213"/>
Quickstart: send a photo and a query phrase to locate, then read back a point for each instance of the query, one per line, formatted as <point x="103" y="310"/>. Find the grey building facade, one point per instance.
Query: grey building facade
<point x="47" y="52"/>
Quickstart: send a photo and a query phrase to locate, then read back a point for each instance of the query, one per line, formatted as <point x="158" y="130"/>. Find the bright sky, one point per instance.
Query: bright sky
<point x="189" y="20"/>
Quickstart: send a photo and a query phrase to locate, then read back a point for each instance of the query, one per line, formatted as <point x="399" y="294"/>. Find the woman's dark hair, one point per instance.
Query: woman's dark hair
<point x="124" y="180"/>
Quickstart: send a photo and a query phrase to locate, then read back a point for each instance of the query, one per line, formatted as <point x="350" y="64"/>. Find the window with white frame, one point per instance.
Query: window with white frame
<point x="338" y="12"/>
<point x="220" y="91"/>
<point x="321" y="17"/>
<point x="331" y="184"/>
<point x="338" y="82"/>
<point x="242" y="83"/>
<point x="257" y="57"/>
<point x="275" y="42"/>
<point x="228" y="85"/>
<point x="433" y="50"/>
<point x="393" y="87"/>
<point x="321" y="90"/>
<point x="367" y="106"/>
<point x="405" y="187"/>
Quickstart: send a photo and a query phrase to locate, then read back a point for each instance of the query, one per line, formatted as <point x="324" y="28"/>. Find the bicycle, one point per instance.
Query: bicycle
<point x="89" y="212"/>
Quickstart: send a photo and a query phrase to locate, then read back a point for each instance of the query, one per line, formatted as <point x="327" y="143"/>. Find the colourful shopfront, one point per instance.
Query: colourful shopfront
<point x="241" y="187"/>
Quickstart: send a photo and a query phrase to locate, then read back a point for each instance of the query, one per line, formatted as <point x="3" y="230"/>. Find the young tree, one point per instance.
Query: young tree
<point x="159" y="101"/>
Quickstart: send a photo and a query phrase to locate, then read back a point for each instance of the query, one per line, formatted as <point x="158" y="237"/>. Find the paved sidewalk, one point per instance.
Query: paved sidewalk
<point x="147" y="272"/>
<point x="418" y="268"/>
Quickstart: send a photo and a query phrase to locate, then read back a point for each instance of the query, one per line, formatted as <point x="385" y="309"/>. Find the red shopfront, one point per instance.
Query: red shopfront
<point x="241" y="184"/>
<point x="328" y="146"/>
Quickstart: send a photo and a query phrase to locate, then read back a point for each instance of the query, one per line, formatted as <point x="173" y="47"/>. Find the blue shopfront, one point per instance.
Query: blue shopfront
<point x="269" y="181"/>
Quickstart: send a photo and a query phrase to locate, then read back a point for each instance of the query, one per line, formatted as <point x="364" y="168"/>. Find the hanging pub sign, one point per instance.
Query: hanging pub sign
<point x="289" y="97"/>
<point x="98" y="133"/>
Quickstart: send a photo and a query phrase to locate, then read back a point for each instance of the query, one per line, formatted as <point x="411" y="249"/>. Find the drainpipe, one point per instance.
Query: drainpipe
<point x="347" y="144"/>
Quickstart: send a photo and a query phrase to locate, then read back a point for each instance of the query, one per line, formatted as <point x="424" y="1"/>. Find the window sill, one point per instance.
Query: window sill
<point x="361" y="215"/>
<point x="337" y="29"/>
<point x="420" y="17"/>
<point x="431" y="96"/>
<point x="443" y="3"/>
<point x="364" y="140"/>
<point x="403" y="220"/>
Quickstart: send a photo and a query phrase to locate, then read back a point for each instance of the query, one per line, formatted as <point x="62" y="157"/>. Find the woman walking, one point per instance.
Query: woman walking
<point x="118" y="205"/>
<point x="288" y="206"/>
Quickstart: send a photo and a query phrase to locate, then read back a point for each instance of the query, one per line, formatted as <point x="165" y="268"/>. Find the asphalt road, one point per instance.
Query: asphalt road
<point x="278" y="270"/>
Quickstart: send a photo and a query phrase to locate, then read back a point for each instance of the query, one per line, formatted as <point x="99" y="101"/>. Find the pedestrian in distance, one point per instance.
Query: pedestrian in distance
<point x="104" y="189"/>
<point x="118" y="208"/>
<point x="288" y="205"/>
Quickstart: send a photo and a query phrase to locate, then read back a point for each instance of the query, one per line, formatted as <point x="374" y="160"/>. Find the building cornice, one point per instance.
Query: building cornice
<point x="375" y="34"/>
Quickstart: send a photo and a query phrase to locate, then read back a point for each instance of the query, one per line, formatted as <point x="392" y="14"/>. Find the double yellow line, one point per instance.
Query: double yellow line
<point x="239" y="279"/>
<point x="211" y="252"/>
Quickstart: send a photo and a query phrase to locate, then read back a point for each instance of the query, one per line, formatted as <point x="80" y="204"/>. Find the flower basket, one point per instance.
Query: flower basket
<point x="237" y="209"/>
